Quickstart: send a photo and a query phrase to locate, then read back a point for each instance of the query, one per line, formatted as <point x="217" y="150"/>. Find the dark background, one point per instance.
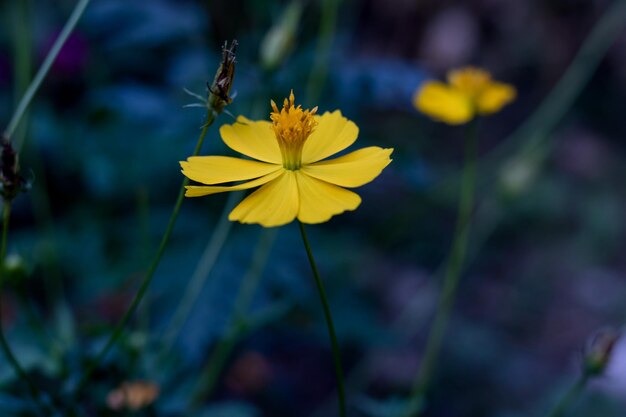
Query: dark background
<point x="547" y="261"/>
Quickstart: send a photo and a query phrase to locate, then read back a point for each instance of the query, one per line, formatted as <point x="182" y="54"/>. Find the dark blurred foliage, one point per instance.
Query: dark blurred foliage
<point x="547" y="261"/>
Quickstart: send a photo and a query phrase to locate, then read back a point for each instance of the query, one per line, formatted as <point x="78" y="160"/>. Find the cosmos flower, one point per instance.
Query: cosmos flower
<point x="470" y="91"/>
<point x="290" y="166"/>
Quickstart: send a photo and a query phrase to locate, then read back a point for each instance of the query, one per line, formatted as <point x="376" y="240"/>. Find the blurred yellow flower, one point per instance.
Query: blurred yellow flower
<point x="295" y="180"/>
<point x="470" y="91"/>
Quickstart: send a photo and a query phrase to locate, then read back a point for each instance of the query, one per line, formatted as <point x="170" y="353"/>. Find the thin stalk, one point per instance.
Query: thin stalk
<point x="117" y="332"/>
<point x="329" y="322"/>
<point x="452" y="274"/>
<point x="143" y="253"/>
<point x="22" y="62"/>
<point x="325" y="37"/>
<point x="44" y="69"/>
<point x="207" y="261"/>
<point x="214" y="366"/>
<point x="201" y="273"/>
<point x="6" y="349"/>
<point x="569" y="397"/>
<point x="537" y="127"/>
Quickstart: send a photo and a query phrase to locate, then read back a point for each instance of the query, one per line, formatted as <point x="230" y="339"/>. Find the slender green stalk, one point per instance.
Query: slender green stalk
<point x="45" y="67"/>
<point x="22" y="20"/>
<point x="117" y="332"/>
<point x="33" y="390"/>
<point x="329" y="322"/>
<point x="452" y="274"/>
<point x="143" y="254"/>
<point x="22" y="62"/>
<point x="209" y="257"/>
<point x="325" y="38"/>
<point x="214" y="366"/>
<point x="566" y="401"/>
<point x="201" y="273"/>
<point x="537" y="127"/>
<point x="22" y="67"/>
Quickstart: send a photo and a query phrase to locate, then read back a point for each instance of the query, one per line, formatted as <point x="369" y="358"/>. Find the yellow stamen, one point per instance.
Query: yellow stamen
<point x="470" y="80"/>
<point x="292" y="127"/>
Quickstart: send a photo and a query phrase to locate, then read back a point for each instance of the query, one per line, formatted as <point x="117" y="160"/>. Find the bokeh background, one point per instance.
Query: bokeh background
<point x="547" y="261"/>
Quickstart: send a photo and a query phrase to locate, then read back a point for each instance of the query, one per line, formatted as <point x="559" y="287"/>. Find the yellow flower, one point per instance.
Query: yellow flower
<point x="295" y="180"/>
<point x="470" y="91"/>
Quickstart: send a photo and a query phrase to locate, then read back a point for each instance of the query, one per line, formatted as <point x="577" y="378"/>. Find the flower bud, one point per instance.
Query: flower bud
<point x="15" y="270"/>
<point x="599" y="350"/>
<point x="520" y="172"/>
<point x="11" y="182"/>
<point x="280" y="39"/>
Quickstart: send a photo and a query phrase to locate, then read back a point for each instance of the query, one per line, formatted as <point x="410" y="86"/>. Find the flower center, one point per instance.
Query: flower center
<point x="470" y="80"/>
<point x="292" y="127"/>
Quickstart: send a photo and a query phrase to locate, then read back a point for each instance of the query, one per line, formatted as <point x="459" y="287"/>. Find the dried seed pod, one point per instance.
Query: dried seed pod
<point x="219" y="90"/>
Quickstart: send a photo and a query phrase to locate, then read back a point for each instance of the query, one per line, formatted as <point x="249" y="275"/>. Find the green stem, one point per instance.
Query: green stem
<point x="325" y="37"/>
<point x="143" y="253"/>
<point x="537" y="127"/>
<point x="569" y="397"/>
<point x="45" y="67"/>
<point x="22" y="20"/>
<point x="217" y="361"/>
<point x="117" y="332"/>
<point x="22" y="55"/>
<point x="214" y="366"/>
<point x="34" y="391"/>
<point x="452" y="275"/>
<point x="201" y="273"/>
<point x="329" y="322"/>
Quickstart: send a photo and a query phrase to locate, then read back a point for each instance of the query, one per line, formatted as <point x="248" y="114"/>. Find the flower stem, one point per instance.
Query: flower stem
<point x="201" y="273"/>
<point x="45" y="67"/>
<point x="537" y="127"/>
<point x="329" y="322"/>
<point x="569" y="397"/>
<point x="22" y="55"/>
<point x="117" y="332"/>
<point x="452" y="275"/>
<point x="325" y="37"/>
<point x="215" y="364"/>
<point x="6" y="349"/>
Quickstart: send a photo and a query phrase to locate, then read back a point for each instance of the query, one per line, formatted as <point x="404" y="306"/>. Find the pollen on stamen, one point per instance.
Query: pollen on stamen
<point x="292" y="126"/>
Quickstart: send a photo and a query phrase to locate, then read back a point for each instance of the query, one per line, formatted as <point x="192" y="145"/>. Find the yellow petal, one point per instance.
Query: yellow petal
<point x="319" y="200"/>
<point x="254" y="139"/>
<point x="274" y="204"/>
<point x="443" y="103"/>
<point x="494" y="97"/>
<point x="218" y="169"/>
<point x="202" y="190"/>
<point x="333" y="134"/>
<point x="351" y="170"/>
